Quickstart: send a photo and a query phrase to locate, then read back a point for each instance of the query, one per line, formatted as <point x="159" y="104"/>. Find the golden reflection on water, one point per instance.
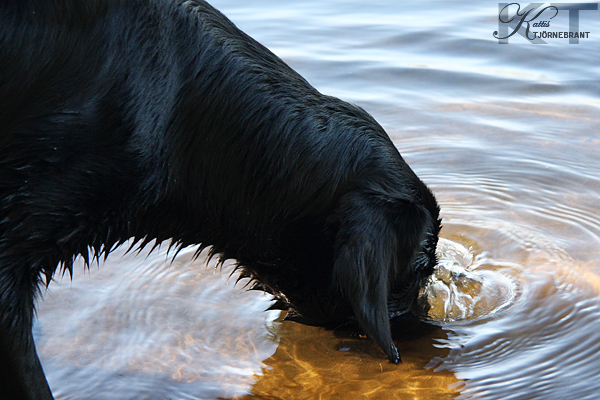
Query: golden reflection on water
<point x="314" y="363"/>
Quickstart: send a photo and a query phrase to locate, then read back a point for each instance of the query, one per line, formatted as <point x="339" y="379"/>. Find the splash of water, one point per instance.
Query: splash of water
<point x="460" y="289"/>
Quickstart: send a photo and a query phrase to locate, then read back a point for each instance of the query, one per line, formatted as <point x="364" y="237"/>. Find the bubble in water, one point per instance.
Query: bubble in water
<point x="458" y="290"/>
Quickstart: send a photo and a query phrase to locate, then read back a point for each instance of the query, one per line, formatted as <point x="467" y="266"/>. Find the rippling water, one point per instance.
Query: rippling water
<point x="505" y="135"/>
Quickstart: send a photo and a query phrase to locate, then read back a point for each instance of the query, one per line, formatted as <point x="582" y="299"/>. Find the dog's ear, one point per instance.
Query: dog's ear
<point x="375" y="247"/>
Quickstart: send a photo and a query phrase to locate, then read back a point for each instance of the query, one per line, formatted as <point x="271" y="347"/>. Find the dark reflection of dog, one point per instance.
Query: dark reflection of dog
<point x="157" y="119"/>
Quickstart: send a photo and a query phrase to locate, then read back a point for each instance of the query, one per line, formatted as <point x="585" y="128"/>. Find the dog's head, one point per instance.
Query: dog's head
<point x="383" y="251"/>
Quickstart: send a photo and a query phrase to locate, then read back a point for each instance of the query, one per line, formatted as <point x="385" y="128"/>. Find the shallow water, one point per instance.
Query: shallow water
<point x="507" y="138"/>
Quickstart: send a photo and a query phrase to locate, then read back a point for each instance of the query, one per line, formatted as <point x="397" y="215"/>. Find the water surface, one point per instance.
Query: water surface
<point x="507" y="138"/>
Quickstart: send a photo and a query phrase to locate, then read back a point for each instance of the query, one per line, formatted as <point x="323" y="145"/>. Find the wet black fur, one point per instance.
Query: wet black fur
<point x="160" y="120"/>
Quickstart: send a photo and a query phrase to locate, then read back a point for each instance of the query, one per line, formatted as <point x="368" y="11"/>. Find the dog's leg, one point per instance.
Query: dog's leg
<point x="21" y="374"/>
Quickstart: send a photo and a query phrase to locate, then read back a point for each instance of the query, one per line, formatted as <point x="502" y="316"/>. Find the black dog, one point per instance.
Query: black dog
<point x="158" y="119"/>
